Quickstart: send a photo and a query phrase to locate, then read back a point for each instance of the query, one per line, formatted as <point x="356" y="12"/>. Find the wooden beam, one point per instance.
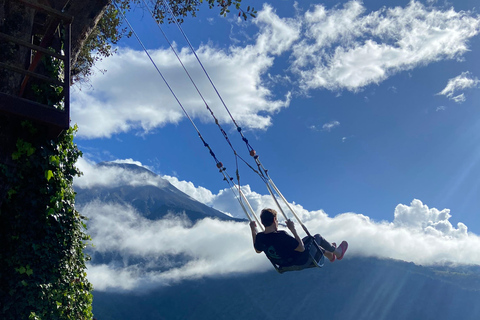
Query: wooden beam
<point x="67" y="77"/>
<point x="31" y="46"/>
<point x="31" y="74"/>
<point x="59" y="14"/>
<point x="34" y="111"/>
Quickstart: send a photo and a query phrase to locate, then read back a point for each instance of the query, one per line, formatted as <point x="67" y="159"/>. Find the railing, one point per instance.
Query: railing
<point x="57" y="119"/>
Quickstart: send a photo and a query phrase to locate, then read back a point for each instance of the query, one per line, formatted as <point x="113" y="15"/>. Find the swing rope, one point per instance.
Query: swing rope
<point x="240" y="197"/>
<point x="239" y="129"/>
<point x="195" y="85"/>
<point x="237" y="156"/>
<point x="262" y="172"/>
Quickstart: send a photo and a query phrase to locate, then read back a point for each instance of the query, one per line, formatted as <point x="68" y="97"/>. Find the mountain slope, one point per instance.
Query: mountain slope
<point x="356" y="288"/>
<point x="152" y="201"/>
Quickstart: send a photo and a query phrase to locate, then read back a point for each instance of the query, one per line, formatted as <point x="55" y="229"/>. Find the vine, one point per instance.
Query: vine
<point x="46" y="93"/>
<point x="42" y="236"/>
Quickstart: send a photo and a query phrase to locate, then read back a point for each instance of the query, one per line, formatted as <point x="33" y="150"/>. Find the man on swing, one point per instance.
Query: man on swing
<point x="285" y="250"/>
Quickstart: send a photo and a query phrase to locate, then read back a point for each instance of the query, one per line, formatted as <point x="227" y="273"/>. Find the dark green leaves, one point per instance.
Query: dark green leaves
<point x="42" y="236"/>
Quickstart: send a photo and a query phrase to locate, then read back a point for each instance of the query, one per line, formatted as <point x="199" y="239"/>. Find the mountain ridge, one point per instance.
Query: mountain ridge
<point x="151" y="201"/>
<point x="356" y="288"/>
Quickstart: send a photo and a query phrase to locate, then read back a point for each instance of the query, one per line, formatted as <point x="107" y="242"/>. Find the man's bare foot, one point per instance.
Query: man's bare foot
<point x="330" y="255"/>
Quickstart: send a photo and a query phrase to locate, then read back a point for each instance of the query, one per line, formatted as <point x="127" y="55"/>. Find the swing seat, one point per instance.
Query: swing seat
<point x="316" y="258"/>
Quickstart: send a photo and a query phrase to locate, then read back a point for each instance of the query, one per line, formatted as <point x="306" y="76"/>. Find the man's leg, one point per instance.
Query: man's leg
<point x="328" y="249"/>
<point x="324" y="243"/>
<point x="331" y="250"/>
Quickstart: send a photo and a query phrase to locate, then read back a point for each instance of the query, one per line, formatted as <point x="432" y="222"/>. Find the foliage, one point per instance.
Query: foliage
<point x="181" y="9"/>
<point x="99" y="44"/>
<point x="47" y="93"/>
<point x="41" y="234"/>
<point x="110" y="28"/>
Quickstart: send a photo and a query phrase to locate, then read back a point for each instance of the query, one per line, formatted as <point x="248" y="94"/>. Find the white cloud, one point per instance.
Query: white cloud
<point x="276" y="34"/>
<point x="200" y="194"/>
<point x="330" y="125"/>
<point x="133" y="96"/>
<point x="112" y="176"/>
<point x="418" y="217"/>
<point x="326" y="126"/>
<point x="459" y="83"/>
<point x="348" y="49"/>
<point x="149" y="249"/>
<point x="460" y="98"/>
<point x="213" y="248"/>
<point x="339" y="48"/>
<point x="129" y="161"/>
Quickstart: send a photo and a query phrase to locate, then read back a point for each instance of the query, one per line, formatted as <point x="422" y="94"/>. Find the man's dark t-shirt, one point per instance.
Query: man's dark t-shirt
<point x="280" y="248"/>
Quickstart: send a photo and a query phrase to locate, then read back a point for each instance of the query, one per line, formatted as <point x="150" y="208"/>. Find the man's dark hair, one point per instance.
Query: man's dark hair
<point x="267" y="216"/>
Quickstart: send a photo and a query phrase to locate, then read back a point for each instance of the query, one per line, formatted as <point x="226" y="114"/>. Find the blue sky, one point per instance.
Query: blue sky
<point x="354" y="107"/>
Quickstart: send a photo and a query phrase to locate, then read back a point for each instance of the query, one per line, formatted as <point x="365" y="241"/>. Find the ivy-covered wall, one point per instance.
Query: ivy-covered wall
<point x="42" y="236"/>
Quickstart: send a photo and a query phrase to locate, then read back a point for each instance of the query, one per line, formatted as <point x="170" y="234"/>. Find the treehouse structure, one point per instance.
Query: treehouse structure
<point x="35" y="67"/>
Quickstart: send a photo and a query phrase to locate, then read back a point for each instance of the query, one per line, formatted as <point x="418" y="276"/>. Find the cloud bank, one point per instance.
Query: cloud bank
<point x="335" y="49"/>
<point x="150" y="251"/>
<point x="349" y="49"/>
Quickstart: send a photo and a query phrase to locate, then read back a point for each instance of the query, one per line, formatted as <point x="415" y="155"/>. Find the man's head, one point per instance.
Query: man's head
<point x="268" y="216"/>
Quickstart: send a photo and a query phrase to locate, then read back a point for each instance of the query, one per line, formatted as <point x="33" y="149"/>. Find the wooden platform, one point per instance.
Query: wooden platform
<point x="56" y="119"/>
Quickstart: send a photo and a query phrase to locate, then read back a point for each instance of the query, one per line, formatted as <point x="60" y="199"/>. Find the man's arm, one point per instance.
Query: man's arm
<point x="253" y="227"/>
<point x="291" y="227"/>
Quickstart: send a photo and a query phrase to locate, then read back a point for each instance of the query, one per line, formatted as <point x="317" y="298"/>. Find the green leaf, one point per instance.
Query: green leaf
<point x="20" y="270"/>
<point x="11" y="192"/>
<point x="30" y="150"/>
<point x="54" y="160"/>
<point x="48" y="175"/>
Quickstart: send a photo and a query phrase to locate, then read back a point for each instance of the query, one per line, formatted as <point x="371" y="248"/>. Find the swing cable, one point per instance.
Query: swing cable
<point x="220" y="165"/>
<point x="262" y="172"/>
<point x="240" y="197"/>
<point x="237" y="156"/>
<point x="195" y="85"/>
<point x="239" y="129"/>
